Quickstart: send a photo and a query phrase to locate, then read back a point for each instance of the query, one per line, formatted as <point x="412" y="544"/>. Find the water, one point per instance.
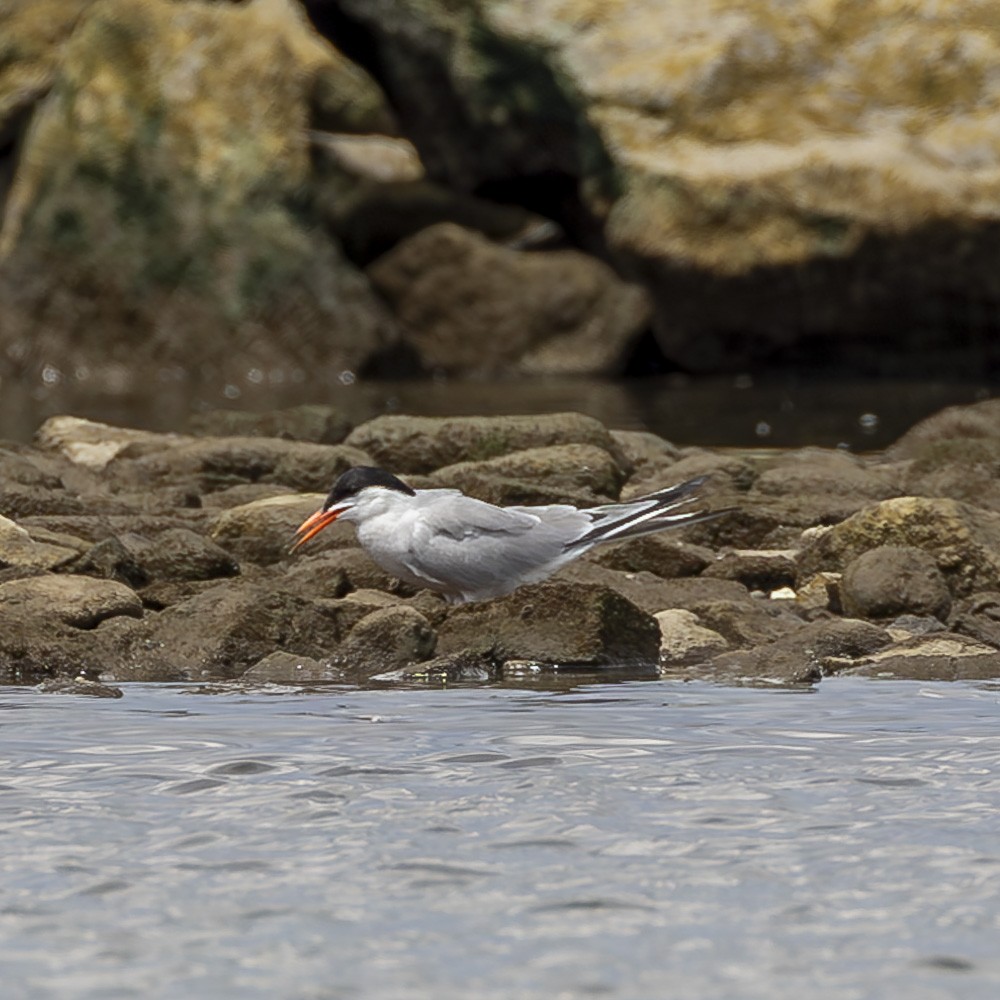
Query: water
<point x="632" y="840"/>
<point x="739" y="412"/>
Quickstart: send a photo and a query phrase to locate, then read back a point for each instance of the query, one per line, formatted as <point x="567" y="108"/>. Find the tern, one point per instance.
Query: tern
<point x="469" y="550"/>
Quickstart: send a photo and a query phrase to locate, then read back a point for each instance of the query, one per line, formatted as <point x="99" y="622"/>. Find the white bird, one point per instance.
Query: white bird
<point x="470" y="550"/>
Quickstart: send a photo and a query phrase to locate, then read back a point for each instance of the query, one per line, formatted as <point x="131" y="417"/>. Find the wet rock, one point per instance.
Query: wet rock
<point x="406" y="444"/>
<point x="799" y="658"/>
<point x="683" y="639"/>
<point x="756" y="569"/>
<point x="555" y="623"/>
<point x="894" y="579"/>
<point x="288" y="668"/>
<point x="578" y="469"/>
<point x="79" y="685"/>
<point x="19" y="549"/>
<point x="663" y="555"/>
<point x="386" y="639"/>
<point x="468" y="666"/>
<point x="218" y="634"/>
<point x="943" y="656"/>
<point x="263" y="531"/>
<point x="310" y="422"/>
<point x="555" y="312"/>
<point x="964" y="541"/>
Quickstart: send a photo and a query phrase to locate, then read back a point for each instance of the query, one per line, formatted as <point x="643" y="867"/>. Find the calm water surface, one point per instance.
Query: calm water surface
<point x="635" y="840"/>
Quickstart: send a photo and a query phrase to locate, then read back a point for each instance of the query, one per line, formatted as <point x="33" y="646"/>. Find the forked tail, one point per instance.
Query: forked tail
<point x="615" y="522"/>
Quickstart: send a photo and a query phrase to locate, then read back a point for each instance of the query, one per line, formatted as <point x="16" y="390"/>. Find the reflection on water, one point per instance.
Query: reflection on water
<point x="721" y="411"/>
<point x="496" y="843"/>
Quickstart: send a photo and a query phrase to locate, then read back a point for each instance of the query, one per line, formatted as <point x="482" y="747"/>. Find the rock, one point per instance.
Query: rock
<point x="978" y="617"/>
<point x="662" y="554"/>
<point x="334" y="573"/>
<point x="52" y="625"/>
<point x="555" y="623"/>
<point x="407" y="444"/>
<point x="963" y="469"/>
<point x="218" y="634"/>
<point x="175" y="554"/>
<point x="79" y="685"/>
<point x="964" y="541"/>
<point x="943" y="656"/>
<point x="263" y="531"/>
<point x="823" y="472"/>
<point x="80" y="602"/>
<point x="288" y="668"/>
<point x="159" y="195"/>
<point x="19" y="549"/>
<point x="504" y="491"/>
<point x="819" y="594"/>
<point x="465" y="666"/>
<point x="730" y="155"/>
<point x="93" y="445"/>
<point x="470" y="307"/>
<point x="209" y="464"/>
<point x="906" y="626"/>
<point x="386" y="639"/>
<point x="732" y="472"/>
<point x="684" y="640"/>
<point x="648" y="454"/>
<point x="894" y="579"/>
<point x="746" y="623"/>
<point x="580" y="469"/>
<point x="799" y="658"/>
<point x="653" y="593"/>
<point x="756" y="569"/>
<point x="978" y="421"/>
<point x="309" y="422"/>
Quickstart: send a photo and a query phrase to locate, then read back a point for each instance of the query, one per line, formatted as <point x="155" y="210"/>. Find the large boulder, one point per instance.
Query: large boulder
<point x="156" y="213"/>
<point x="748" y="161"/>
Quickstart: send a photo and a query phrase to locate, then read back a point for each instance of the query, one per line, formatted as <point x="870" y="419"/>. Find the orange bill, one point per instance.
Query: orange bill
<point x="314" y="524"/>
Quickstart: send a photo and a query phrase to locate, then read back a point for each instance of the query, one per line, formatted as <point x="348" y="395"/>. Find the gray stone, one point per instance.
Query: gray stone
<point x="892" y="580"/>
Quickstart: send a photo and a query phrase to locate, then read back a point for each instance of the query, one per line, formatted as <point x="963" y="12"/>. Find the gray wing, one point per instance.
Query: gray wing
<point x="476" y="548"/>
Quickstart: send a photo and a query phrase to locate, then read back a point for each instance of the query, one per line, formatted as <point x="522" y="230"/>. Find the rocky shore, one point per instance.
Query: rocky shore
<point x="130" y="555"/>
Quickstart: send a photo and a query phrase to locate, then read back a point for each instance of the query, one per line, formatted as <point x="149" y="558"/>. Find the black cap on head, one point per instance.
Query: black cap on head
<point x="351" y="483"/>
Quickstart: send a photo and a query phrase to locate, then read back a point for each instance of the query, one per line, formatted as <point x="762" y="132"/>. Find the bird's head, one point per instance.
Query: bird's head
<point x="351" y="488"/>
